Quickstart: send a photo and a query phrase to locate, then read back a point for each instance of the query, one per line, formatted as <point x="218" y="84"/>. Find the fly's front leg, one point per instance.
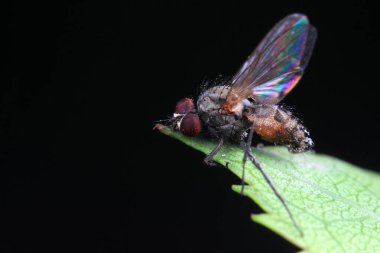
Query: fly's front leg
<point x="209" y="158"/>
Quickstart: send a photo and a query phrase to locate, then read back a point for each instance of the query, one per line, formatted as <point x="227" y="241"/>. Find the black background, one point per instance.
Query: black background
<point x="83" y="82"/>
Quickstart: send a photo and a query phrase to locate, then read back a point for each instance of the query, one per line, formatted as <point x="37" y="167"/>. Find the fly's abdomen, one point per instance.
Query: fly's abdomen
<point x="299" y="139"/>
<point x="279" y="126"/>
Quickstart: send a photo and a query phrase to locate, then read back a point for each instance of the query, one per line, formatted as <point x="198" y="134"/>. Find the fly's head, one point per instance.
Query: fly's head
<point x="186" y="119"/>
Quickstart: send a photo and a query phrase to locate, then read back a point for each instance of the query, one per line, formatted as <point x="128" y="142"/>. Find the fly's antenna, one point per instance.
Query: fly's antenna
<point x="248" y="154"/>
<point x="165" y="122"/>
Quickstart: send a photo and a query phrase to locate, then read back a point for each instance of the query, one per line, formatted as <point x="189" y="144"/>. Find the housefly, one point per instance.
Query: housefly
<point x="247" y="103"/>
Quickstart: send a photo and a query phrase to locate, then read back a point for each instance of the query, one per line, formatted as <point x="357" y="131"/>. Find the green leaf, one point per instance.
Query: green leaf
<point x="336" y="204"/>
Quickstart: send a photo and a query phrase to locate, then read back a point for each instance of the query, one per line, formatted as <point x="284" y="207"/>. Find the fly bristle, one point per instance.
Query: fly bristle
<point x="218" y="81"/>
<point x="300" y="140"/>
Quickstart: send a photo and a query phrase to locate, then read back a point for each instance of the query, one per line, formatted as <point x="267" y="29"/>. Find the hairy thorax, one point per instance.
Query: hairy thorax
<point x="219" y="122"/>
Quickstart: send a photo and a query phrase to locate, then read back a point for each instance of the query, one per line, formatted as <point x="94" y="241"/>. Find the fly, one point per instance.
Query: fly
<point x="247" y="104"/>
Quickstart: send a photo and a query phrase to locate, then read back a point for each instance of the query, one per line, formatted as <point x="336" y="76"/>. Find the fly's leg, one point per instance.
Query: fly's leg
<point x="247" y="150"/>
<point x="260" y="145"/>
<point x="209" y="158"/>
<point x="248" y="154"/>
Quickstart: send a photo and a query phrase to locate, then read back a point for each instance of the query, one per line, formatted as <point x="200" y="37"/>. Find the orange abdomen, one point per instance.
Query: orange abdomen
<point x="272" y="131"/>
<point x="272" y="127"/>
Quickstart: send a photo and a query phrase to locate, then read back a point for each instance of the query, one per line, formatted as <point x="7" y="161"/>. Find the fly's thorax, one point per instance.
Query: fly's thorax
<point x="212" y="98"/>
<point x="219" y="123"/>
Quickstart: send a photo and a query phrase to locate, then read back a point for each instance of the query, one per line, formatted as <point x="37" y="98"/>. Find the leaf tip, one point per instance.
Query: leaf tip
<point x="162" y="128"/>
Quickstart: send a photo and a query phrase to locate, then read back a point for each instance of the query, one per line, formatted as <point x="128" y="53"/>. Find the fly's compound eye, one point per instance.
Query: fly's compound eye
<point x="184" y="106"/>
<point x="190" y="125"/>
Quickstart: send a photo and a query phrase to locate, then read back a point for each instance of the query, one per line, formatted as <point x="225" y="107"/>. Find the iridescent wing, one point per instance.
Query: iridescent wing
<point x="277" y="64"/>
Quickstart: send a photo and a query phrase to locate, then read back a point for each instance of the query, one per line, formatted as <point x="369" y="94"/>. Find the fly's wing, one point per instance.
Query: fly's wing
<point x="277" y="64"/>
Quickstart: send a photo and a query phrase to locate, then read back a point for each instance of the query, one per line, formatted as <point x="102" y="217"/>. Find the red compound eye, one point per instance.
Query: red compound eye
<point x="183" y="106"/>
<point x="190" y="125"/>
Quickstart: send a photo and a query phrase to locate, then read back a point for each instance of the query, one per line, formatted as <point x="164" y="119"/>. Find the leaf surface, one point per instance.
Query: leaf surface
<point x="336" y="204"/>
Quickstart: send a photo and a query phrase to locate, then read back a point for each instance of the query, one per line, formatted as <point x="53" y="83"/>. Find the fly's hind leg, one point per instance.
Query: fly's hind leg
<point x="260" y="145"/>
<point x="209" y="158"/>
<point x="246" y="146"/>
<point x="248" y="155"/>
